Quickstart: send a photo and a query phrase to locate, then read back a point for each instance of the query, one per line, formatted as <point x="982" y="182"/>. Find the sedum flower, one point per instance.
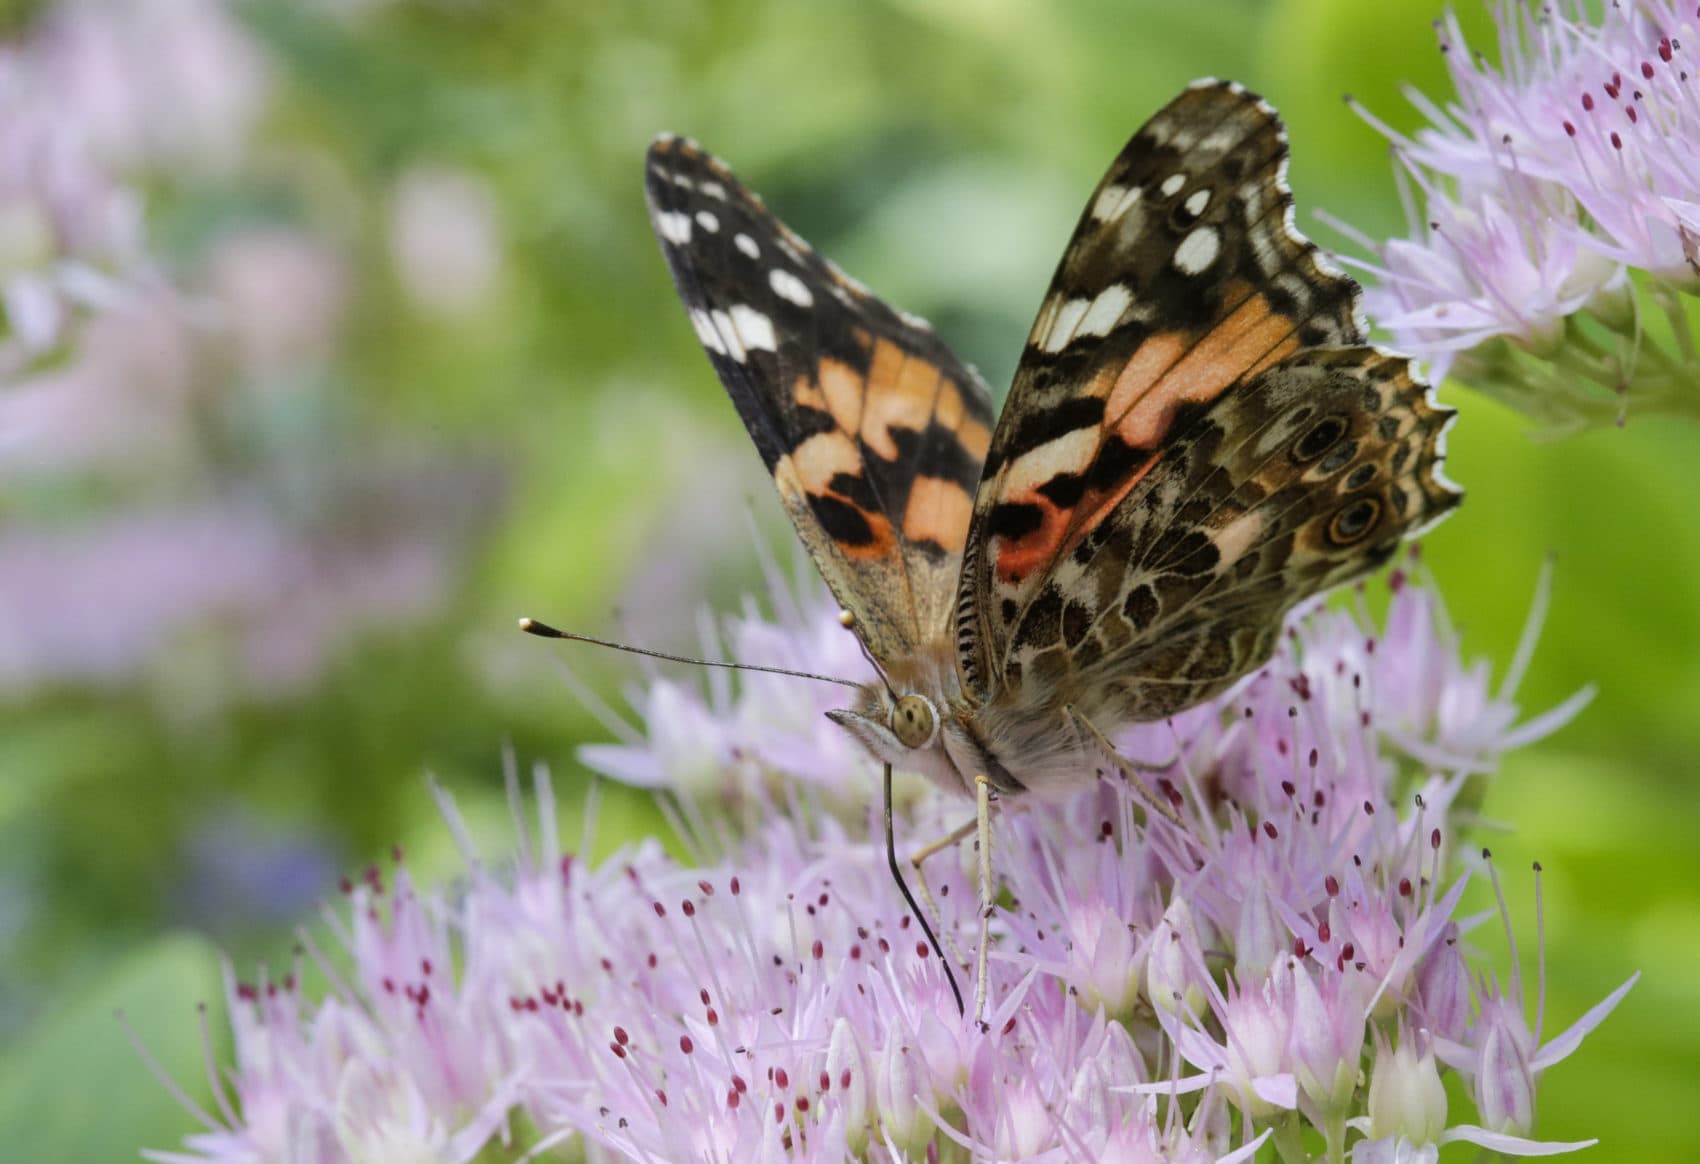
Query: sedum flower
<point x="1554" y="206"/>
<point x="1282" y="967"/>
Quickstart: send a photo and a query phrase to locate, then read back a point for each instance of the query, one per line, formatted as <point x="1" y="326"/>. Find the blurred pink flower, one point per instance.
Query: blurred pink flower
<point x="153" y="83"/>
<point x="97" y="94"/>
<point x="445" y="240"/>
<point x="270" y="600"/>
<point x="279" y="296"/>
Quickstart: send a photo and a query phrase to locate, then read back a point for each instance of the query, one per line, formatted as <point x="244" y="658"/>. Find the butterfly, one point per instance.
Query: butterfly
<point x="1197" y="438"/>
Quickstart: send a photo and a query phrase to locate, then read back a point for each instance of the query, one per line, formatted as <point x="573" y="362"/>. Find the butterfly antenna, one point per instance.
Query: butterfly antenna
<point x="544" y="631"/>
<point x="920" y="914"/>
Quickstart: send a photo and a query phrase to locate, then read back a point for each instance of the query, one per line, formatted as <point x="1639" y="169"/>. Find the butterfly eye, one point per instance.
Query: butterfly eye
<point x="1355" y="520"/>
<point x="1320" y="438"/>
<point x="913" y="721"/>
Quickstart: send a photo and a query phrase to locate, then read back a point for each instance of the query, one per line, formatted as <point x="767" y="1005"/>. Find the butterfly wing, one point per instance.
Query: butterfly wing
<point x="1197" y="438"/>
<point x="872" y="429"/>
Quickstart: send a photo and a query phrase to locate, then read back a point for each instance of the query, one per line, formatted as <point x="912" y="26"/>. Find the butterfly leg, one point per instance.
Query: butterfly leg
<point x="918" y="857"/>
<point x="1085" y="728"/>
<point x="983" y="842"/>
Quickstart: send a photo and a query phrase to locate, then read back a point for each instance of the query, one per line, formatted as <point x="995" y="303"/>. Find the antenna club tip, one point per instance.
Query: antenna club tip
<point x="532" y="627"/>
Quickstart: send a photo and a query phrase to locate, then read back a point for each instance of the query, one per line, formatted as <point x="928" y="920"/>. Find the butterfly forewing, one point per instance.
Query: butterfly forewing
<point x="1196" y="438"/>
<point x="874" y="432"/>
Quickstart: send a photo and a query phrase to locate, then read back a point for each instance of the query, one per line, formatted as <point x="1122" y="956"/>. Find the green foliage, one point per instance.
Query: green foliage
<point x="74" y="1090"/>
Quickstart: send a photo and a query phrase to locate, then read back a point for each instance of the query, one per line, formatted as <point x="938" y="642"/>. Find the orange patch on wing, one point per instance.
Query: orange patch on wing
<point x="1017" y="558"/>
<point x="882" y="545"/>
<point x="807" y="472"/>
<point x="1249" y="339"/>
<point x="938" y="511"/>
<point x="811" y="465"/>
<point x="902" y="390"/>
<point x="838" y="390"/>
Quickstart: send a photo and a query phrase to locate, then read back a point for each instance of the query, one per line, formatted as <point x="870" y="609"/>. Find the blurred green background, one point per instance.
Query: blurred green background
<point x="402" y="362"/>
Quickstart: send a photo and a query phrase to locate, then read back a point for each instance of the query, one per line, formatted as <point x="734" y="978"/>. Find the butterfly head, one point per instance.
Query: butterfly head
<point x="906" y="730"/>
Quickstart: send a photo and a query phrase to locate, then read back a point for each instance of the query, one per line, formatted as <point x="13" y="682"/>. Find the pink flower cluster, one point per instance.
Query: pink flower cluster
<point x="1557" y="181"/>
<point x="1288" y="969"/>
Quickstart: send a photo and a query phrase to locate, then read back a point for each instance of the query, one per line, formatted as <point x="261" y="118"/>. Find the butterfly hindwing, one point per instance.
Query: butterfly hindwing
<point x="1304" y="477"/>
<point x="872" y="429"/>
<point x="1150" y="507"/>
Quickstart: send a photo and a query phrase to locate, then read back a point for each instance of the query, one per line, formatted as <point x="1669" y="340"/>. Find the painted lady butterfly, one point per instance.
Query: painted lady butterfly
<point x="1197" y="438"/>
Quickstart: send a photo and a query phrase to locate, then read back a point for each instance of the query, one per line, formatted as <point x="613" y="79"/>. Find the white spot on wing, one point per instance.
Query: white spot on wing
<point x="1197" y="251"/>
<point x="706" y="331"/>
<point x="755" y="330"/>
<point x="713" y="190"/>
<point x="674" y="227"/>
<point x="1064" y="319"/>
<point x="746" y="244"/>
<point x="1114" y="201"/>
<point x="708" y="221"/>
<point x="731" y="345"/>
<point x="1172" y="185"/>
<point x="1196" y="204"/>
<point x="787" y="286"/>
<point x="1069" y="453"/>
<point x="1106" y="311"/>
